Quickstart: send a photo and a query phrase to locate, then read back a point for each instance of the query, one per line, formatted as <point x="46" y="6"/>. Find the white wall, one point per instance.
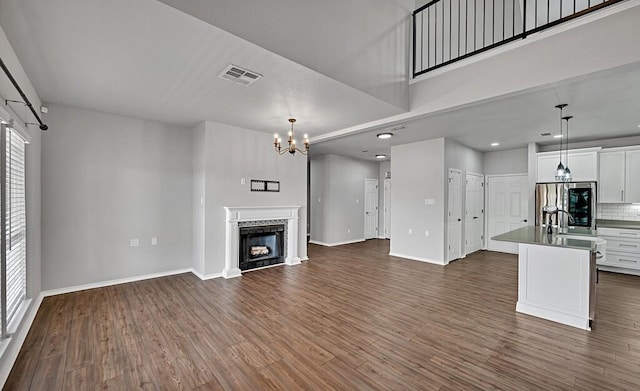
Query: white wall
<point x="107" y="179"/>
<point x="510" y="161"/>
<point x="342" y="216"/>
<point x="418" y="173"/>
<point x="319" y="189"/>
<point x="32" y="189"/>
<point x="384" y="167"/>
<point x="463" y="158"/>
<point x="231" y="154"/>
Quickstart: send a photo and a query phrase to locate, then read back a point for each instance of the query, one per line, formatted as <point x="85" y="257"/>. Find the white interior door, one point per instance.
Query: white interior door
<point x="474" y="213"/>
<point x="507" y="209"/>
<point x="454" y="223"/>
<point x="387" y="208"/>
<point x="370" y="208"/>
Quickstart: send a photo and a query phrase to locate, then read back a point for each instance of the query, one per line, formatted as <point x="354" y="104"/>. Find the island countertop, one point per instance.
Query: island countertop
<point x="538" y="235"/>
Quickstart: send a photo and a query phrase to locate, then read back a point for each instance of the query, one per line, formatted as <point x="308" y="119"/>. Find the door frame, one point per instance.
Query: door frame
<point x="484" y="210"/>
<point x="486" y="202"/>
<point x="386" y="220"/>
<point x="460" y="241"/>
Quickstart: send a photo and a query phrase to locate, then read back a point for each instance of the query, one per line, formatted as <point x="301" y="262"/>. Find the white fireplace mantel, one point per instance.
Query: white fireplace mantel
<point x="235" y="214"/>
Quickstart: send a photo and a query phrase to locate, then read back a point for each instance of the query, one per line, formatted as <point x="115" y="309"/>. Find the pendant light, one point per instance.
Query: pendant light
<point x="560" y="171"/>
<point x="567" y="171"/>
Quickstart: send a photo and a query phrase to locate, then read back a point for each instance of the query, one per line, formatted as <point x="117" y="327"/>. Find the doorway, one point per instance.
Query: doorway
<point x="370" y="208"/>
<point x="507" y="208"/>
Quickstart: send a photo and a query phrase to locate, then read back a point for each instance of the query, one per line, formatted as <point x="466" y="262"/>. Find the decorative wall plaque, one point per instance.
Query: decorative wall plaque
<point x="262" y="185"/>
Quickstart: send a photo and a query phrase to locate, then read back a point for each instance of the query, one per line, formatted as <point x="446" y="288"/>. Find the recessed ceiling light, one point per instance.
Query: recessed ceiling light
<point x="380" y="156"/>
<point x="384" y="135"/>
<point x="495" y="144"/>
<point x="557" y="136"/>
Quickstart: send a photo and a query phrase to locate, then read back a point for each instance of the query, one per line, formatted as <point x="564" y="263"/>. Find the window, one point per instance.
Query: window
<point x="13" y="268"/>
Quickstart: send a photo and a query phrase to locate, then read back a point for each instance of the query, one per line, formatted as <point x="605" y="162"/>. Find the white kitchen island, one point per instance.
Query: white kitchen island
<point x="556" y="274"/>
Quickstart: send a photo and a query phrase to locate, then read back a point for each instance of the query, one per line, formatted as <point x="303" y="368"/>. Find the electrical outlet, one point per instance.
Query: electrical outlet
<point x="426" y="233"/>
<point x="410" y="231"/>
<point x="154" y="241"/>
<point x="134" y="243"/>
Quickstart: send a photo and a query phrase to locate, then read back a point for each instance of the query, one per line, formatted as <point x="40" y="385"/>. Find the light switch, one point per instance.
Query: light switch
<point x="426" y="233"/>
<point x="242" y="181"/>
<point x="134" y="243"/>
<point x="154" y="241"/>
<point x="410" y="231"/>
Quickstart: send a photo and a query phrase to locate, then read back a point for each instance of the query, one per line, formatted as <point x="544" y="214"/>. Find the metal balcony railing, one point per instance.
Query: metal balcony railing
<point x="445" y="31"/>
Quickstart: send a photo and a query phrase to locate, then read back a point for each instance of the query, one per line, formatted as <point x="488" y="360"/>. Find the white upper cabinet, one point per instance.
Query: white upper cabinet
<point x="583" y="165"/>
<point x="612" y="182"/>
<point x="632" y="177"/>
<point x="619" y="176"/>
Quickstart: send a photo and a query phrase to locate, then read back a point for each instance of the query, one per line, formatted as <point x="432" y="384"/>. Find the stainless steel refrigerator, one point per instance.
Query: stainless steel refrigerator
<point x="575" y="201"/>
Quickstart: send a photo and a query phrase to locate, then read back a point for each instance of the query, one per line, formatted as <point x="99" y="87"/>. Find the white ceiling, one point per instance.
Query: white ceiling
<point x="362" y="43"/>
<point x="323" y="63"/>
<point x="147" y="60"/>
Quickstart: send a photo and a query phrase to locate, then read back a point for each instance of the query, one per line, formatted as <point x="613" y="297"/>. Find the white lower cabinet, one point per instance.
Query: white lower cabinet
<point x="623" y="250"/>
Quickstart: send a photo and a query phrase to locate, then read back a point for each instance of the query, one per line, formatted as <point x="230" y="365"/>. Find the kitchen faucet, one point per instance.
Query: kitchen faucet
<point x="571" y="219"/>
<point x="553" y="210"/>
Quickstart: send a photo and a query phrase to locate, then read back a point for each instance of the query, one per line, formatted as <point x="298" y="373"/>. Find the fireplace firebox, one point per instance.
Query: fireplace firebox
<point x="261" y="246"/>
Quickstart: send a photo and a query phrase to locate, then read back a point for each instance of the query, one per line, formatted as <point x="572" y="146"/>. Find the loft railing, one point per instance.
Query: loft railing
<point x="446" y="31"/>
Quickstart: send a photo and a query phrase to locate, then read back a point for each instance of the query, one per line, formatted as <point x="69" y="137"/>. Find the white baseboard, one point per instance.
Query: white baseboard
<point x="9" y="357"/>
<point x="118" y="281"/>
<point x="416" y="258"/>
<point x="204" y="277"/>
<point x="304" y="258"/>
<point x="336" y="243"/>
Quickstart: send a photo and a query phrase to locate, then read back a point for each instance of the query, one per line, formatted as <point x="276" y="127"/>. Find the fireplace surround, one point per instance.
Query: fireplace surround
<point x="262" y="215"/>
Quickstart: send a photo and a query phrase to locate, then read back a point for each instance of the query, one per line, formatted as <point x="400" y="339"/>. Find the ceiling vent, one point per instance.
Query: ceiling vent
<point x="239" y="75"/>
<point x="545" y="134"/>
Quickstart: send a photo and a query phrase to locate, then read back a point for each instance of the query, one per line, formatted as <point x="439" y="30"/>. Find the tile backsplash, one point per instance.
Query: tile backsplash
<point x="629" y="212"/>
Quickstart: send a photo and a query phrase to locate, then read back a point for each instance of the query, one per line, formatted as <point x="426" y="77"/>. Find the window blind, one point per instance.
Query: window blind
<point x="14" y="271"/>
<point x="16" y="225"/>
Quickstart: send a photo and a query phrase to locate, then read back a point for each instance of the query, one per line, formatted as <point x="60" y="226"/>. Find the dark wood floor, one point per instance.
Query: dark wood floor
<point x="351" y="318"/>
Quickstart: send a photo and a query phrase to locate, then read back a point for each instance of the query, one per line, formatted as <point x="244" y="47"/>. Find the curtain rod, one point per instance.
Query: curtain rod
<point x="24" y="97"/>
